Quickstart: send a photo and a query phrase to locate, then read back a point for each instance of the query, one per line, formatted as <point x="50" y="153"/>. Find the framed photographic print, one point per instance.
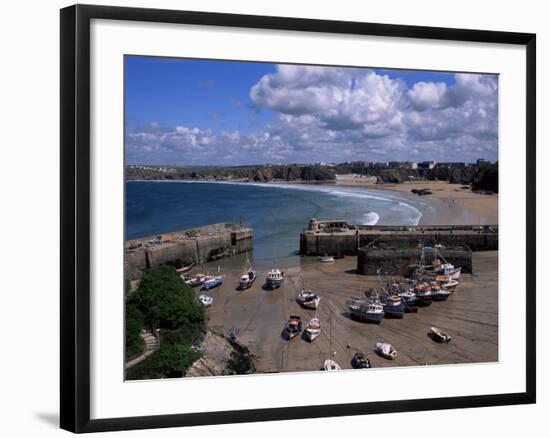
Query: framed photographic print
<point x="253" y="207"/>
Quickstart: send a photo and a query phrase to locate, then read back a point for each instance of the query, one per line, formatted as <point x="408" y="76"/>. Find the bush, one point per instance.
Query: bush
<point x="166" y="302"/>
<point x="134" y="324"/>
<point x="170" y="361"/>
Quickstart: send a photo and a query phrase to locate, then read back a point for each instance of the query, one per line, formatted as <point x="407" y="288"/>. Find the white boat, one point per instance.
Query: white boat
<point x="275" y="279"/>
<point x="313" y="329"/>
<point x="248" y="277"/>
<point x="326" y="259"/>
<point x="331" y="365"/>
<point x="308" y="299"/>
<point x="386" y="350"/>
<point x="449" y="285"/>
<point x="206" y="300"/>
<point x="439" y="335"/>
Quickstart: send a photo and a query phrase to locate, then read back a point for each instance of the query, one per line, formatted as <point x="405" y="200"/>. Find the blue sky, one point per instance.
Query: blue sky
<point x="181" y="111"/>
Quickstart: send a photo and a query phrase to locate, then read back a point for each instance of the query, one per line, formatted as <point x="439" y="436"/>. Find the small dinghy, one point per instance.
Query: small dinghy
<point x="360" y="361"/>
<point x="386" y="350"/>
<point x="308" y="299"/>
<point x="331" y="365"/>
<point x="212" y="282"/>
<point x="248" y="276"/>
<point x="449" y="285"/>
<point x="439" y="335"/>
<point x="313" y="329"/>
<point x="326" y="259"/>
<point x="205" y="300"/>
<point x="293" y="327"/>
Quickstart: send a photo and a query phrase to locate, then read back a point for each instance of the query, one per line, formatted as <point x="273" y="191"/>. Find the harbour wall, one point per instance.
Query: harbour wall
<point x="336" y="237"/>
<point x="182" y="248"/>
<point x="398" y="261"/>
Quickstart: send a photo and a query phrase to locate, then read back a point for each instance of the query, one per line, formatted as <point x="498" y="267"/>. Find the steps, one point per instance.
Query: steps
<point x="151" y="345"/>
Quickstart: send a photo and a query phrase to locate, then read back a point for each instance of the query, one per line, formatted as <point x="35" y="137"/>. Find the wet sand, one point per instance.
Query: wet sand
<point x="470" y="315"/>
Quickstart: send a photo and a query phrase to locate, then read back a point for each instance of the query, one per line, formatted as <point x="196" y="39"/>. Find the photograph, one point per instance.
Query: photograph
<point x="291" y="218"/>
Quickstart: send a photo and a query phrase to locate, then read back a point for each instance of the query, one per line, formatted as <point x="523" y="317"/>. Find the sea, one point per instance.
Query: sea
<point x="276" y="212"/>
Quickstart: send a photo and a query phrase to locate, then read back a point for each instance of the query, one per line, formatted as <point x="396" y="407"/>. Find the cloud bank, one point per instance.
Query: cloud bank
<point x="338" y="114"/>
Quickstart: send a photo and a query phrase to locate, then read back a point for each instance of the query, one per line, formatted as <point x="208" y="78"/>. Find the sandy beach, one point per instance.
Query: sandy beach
<point x="470" y="315"/>
<point x="455" y="198"/>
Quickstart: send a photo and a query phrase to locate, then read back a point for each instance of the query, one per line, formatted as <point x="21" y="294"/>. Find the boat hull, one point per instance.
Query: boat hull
<point x="274" y="284"/>
<point x="394" y="311"/>
<point x="367" y="317"/>
<point x="311" y="335"/>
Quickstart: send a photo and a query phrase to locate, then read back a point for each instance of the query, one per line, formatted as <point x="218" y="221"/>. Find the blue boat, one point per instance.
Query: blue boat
<point x="212" y="282"/>
<point x="394" y="307"/>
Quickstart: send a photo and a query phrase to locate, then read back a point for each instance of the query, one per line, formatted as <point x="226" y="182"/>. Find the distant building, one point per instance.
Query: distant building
<point x="426" y="165"/>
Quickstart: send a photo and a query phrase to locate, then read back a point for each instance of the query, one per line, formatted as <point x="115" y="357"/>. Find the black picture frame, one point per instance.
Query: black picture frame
<point x="75" y="217"/>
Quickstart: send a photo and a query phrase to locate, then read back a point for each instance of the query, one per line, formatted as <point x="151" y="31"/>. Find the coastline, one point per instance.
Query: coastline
<point x="449" y="204"/>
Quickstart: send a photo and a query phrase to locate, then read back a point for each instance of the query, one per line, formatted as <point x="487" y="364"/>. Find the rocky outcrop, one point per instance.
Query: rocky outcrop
<point x="220" y="356"/>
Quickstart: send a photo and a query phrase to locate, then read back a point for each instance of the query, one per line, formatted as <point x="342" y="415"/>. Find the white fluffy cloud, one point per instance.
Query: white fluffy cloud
<point x="334" y="114"/>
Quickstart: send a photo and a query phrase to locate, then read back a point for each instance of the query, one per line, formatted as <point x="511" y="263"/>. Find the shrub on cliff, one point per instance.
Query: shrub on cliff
<point x="170" y="361"/>
<point x="134" y="324"/>
<point x="167" y="302"/>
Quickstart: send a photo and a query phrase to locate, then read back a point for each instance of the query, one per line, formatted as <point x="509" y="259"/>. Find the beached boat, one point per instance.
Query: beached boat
<point x="197" y="280"/>
<point x="331" y="365"/>
<point x="248" y="276"/>
<point x="293" y="327"/>
<point x="206" y="300"/>
<point x="394" y="307"/>
<point x="359" y="360"/>
<point x="274" y="279"/>
<point x="370" y="310"/>
<point x="446" y="283"/>
<point x="213" y="282"/>
<point x="439" y="335"/>
<point x="386" y="350"/>
<point x="440" y="294"/>
<point x="308" y="299"/>
<point x="326" y="259"/>
<point x="423" y="294"/>
<point x="313" y="329"/>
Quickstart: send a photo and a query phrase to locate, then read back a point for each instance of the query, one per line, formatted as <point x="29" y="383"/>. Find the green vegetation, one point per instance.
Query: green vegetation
<point x="240" y="362"/>
<point x="163" y="301"/>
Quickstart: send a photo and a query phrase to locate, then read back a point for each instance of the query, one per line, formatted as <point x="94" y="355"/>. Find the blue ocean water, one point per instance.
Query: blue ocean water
<point x="277" y="213"/>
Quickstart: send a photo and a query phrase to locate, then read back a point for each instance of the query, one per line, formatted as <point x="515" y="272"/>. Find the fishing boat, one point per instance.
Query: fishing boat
<point x="313" y="329"/>
<point x="359" y="361"/>
<point x="446" y="283"/>
<point x="248" y="277"/>
<point x="440" y="294"/>
<point x="370" y="310"/>
<point x="213" y="282"/>
<point x="197" y="280"/>
<point x="439" y="335"/>
<point x="308" y="299"/>
<point x="206" y="300"/>
<point x="409" y="299"/>
<point x="326" y="259"/>
<point x="423" y="294"/>
<point x="293" y="327"/>
<point x="386" y="350"/>
<point x="274" y="279"/>
<point x="394" y="307"/>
